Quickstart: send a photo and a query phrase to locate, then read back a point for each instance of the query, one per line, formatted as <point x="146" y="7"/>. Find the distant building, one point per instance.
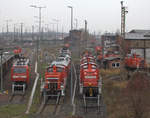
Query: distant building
<point x="110" y="42"/>
<point x="112" y="62"/>
<point x="138" y="39"/>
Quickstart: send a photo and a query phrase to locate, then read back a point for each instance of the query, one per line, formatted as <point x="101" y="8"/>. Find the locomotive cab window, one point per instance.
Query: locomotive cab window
<point x="19" y="70"/>
<point x="85" y="67"/>
<point x="93" y="67"/>
<point x="59" y="69"/>
<point x="50" y="70"/>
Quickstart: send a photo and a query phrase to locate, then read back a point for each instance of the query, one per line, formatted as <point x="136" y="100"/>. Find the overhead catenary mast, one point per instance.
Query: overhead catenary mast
<point x="123" y="19"/>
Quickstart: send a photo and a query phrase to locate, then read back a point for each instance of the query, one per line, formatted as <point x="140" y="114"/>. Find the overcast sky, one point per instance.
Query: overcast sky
<point x="102" y="15"/>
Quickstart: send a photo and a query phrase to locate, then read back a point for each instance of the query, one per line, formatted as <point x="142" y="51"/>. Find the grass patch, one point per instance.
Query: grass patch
<point x="12" y="110"/>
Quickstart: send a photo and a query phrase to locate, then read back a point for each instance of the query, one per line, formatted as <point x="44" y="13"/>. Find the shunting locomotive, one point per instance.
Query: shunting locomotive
<point x="90" y="80"/>
<point x="134" y="61"/>
<point x="56" y="75"/>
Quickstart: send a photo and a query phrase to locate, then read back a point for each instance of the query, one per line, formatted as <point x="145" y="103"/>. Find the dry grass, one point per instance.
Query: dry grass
<point x="113" y="98"/>
<point x="120" y="84"/>
<point x="110" y="72"/>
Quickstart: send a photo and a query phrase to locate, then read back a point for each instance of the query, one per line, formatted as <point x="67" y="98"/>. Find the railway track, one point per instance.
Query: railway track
<point x="19" y="98"/>
<point x="86" y="108"/>
<point x="56" y="106"/>
<point x="52" y="106"/>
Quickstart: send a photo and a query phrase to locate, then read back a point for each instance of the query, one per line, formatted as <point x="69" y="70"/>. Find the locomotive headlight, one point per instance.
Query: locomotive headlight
<point x="23" y="76"/>
<point x="62" y="87"/>
<point x="90" y="77"/>
<point x="48" y="82"/>
<point x="19" y="76"/>
<point x="15" y="77"/>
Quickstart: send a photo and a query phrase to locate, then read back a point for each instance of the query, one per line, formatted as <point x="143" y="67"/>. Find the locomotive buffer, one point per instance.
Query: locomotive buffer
<point x="91" y="99"/>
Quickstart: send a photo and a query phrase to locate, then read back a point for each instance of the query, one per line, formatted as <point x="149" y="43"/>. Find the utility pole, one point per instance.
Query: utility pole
<point x="76" y="23"/>
<point x="39" y="36"/>
<point x="56" y="38"/>
<point x="2" y="32"/>
<point x="7" y="26"/>
<point x="86" y="33"/>
<point x="123" y="19"/>
<point x="14" y="31"/>
<point x="71" y="16"/>
<point x="32" y="32"/>
<point x="62" y="33"/>
<point x="21" y="31"/>
<point x="71" y="82"/>
<point x="1" y="55"/>
<point x="53" y="29"/>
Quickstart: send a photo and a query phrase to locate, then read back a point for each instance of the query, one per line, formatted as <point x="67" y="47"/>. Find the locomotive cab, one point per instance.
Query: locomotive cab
<point x="55" y="80"/>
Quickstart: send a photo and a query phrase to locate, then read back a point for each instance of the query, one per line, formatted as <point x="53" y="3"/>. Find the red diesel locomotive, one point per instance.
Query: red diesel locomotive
<point x="20" y="75"/>
<point x="90" y="80"/>
<point x="56" y="75"/>
<point x="134" y="61"/>
<point x="17" y="52"/>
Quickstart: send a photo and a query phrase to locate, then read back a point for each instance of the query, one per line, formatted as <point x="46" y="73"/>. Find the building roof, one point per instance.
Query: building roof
<point x="112" y="58"/>
<point x="5" y="58"/>
<point x="109" y="34"/>
<point x="138" y="35"/>
<point x="139" y="31"/>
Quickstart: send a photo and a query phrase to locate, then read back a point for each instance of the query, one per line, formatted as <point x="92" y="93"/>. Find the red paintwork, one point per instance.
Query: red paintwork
<point x="17" y="51"/>
<point x="98" y="48"/>
<point x="19" y="76"/>
<point x="86" y="69"/>
<point x="67" y="45"/>
<point x="134" y="61"/>
<point x="56" y="74"/>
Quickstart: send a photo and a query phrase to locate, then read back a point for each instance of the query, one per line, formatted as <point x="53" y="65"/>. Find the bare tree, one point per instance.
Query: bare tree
<point x="138" y="95"/>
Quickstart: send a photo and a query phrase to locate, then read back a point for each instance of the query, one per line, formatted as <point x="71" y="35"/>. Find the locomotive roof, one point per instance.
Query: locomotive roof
<point x="57" y="66"/>
<point x="57" y="63"/>
<point x="90" y="57"/>
<point x="88" y="63"/>
<point x="21" y="62"/>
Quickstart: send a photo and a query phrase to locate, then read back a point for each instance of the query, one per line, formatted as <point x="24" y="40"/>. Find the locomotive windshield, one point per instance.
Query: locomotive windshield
<point x="19" y="70"/>
<point x="59" y="69"/>
<point x="50" y="70"/>
<point x="60" y="59"/>
<point x="93" y="67"/>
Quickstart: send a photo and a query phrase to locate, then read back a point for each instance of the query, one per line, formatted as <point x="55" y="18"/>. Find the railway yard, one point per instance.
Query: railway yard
<point x="71" y="103"/>
<point x="56" y="70"/>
